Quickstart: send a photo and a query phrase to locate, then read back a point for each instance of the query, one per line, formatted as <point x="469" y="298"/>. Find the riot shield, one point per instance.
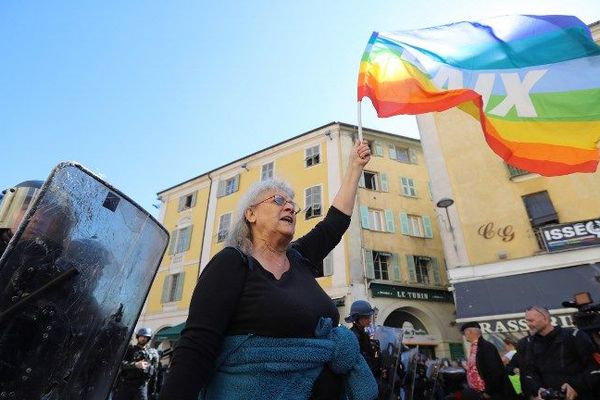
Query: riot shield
<point x="73" y="280"/>
<point x="390" y="340"/>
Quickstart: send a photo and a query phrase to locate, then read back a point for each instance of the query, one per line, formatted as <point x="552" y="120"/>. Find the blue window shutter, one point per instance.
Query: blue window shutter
<point x="179" y="286"/>
<point x="173" y="240"/>
<point x="236" y="183"/>
<point x="185" y="236"/>
<point x="412" y="154"/>
<point x="396" y="275"/>
<point x="166" y="289"/>
<point x="221" y="189"/>
<point x="404" y="226"/>
<point x="364" y="216"/>
<point x="378" y="149"/>
<point x="384" y="182"/>
<point x="389" y="221"/>
<point x="361" y="181"/>
<point x="370" y="268"/>
<point x="412" y="272"/>
<point x="427" y="227"/>
<point x="194" y="198"/>
<point x="435" y="267"/>
<point x="181" y="203"/>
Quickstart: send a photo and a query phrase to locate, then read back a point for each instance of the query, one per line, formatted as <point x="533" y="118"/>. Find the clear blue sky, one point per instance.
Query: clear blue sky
<point x="148" y="94"/>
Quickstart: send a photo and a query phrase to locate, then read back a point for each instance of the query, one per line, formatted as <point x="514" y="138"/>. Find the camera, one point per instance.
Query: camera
<point x="552" y="394"/>
<point x="587" y="317"/>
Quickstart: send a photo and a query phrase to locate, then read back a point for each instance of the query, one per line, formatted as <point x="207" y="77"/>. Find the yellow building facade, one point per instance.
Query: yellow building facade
<point x="516" y="238"/>
<point x="392" y="254"/>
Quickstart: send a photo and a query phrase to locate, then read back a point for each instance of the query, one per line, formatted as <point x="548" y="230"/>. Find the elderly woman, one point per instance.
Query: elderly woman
<point x="259" y="325"/>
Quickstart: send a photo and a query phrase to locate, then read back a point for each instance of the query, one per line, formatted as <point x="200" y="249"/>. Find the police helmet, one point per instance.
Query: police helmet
<point x="15" y="201"/>
<point x="147" y="332"/>
<point x="360" y="308"/>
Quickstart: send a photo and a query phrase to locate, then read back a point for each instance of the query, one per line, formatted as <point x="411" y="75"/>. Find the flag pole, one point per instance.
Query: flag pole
<point x="359" y="117"/>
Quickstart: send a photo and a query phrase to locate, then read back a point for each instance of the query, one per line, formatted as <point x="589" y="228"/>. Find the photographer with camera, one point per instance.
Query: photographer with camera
<point x="137" y="368"/>
<point x="557" y="362"/>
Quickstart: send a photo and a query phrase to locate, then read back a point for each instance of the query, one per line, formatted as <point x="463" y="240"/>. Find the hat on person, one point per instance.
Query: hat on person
<point x="471" y="324"/>
<point x="358" y="309"/>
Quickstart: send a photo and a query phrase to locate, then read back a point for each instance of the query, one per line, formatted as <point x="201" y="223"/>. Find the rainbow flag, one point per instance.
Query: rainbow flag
<point x="533" y="82"/>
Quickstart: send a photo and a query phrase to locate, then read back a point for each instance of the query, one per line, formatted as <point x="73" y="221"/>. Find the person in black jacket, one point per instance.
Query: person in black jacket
<point x="361" y="316"/>
<point x="557" y="358"/>
<point x="486" y="375"/>
<point x="137" y="368"/>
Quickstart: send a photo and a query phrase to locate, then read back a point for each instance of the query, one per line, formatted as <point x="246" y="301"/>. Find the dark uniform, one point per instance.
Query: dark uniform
<point x="133" y="381"/>
<point x="564" y="355"/>
<point x="368" y="350"/>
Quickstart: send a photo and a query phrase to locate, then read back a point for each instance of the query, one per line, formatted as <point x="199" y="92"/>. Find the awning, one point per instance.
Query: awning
<point x="480" y="299"/>
<point x="172" y="333"/>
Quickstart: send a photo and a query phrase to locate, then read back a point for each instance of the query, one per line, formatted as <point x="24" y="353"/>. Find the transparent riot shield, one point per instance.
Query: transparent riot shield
<point x="390" y="340"/>
<point x="73" y="281"/>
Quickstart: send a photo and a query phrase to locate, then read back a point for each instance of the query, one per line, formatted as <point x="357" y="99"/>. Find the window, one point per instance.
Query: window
<point x="377" y="220"/>
<point x="371" y="181"/>
<point x="172" y="288"/>
<point x="228" y="186"/>
<point x="381" y="261"/>
<point x="416" y="225"/>
<point x="326" y="266"/>
<point x="408" y="187"/>
<point x="382" y="265"/>
<point x="180" y="240"/>
<point x="224" y="225"/>
<point x="187" y="201"/>
<point x="403" y="154"/>
<point x="267" y="172"/>
<point x="312" y="156"/>
<point x="312" y="201"/>
<point x="424" y="270"/>
<point x="374" y="181"/>
<point x="377" y="149"/>
<point x="540" y="209"/>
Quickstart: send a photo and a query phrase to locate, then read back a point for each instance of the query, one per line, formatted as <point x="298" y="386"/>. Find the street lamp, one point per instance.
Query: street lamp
<point x="444" y="203"/>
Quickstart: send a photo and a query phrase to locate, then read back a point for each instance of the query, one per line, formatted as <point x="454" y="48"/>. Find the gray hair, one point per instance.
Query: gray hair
<point x="540" y="310"/>
<point x="240" y="235"/>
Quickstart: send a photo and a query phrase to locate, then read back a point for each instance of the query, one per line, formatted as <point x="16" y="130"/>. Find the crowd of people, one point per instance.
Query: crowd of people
<point x="549" y="363"/>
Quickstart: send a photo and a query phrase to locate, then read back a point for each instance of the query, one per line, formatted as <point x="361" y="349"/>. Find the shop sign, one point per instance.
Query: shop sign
<point x="572" y="235"/>
<point x="411" y="293"/>
<point x="515" y="325"/>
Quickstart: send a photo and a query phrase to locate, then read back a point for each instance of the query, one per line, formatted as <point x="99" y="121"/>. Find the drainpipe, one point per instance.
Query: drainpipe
<point x="204" y="227"/>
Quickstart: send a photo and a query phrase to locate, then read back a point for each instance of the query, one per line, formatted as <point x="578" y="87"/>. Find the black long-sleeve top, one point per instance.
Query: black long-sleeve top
<point x="234" y="296"/>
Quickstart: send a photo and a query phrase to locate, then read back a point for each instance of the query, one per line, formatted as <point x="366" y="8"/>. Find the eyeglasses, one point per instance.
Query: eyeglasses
<point x="280" y="201"/>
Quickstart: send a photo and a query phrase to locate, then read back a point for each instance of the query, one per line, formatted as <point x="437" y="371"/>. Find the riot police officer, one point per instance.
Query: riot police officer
<point x="14" y="203"/>
<point x="361" y="316"/>
<point x="137" y="368"/>
<point x="63" y="328"/>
